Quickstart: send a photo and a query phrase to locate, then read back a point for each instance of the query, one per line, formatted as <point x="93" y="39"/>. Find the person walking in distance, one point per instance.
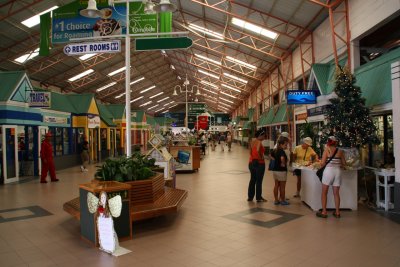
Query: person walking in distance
<point x="222" y="140"/>
<point x="46" y="156"/>
<point x="85" y="154"/>
<point x="229" y="140"/>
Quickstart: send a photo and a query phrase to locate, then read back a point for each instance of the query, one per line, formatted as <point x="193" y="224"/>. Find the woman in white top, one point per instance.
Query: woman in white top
<point x="332" y="175"/>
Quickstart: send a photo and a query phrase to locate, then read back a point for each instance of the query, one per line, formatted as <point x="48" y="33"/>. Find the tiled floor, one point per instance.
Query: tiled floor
<point x="215" y="227"/>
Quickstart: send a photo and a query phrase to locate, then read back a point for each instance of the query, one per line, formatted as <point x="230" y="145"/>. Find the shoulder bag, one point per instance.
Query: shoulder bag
<point x="320" y="171"/>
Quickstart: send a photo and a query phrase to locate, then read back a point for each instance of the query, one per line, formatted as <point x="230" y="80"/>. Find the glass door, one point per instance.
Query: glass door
<point x="42" y="130"/>
<point x="10" y="153"/>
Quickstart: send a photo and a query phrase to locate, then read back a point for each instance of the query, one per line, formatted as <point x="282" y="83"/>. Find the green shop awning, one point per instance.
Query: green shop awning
<point x="246" y="125"/>
<point x="60" y="102"/>
<point x="9" y="81"/>
<point x="151" y="121"/>
<point x="261" y="119"/>
<point x="325" y="75"/>
<point x="105" y="115"/>
<point x="374" y="79"/>
<point x="281" y="115"/>
<point x="250" y="114"/>
<point x="270" y="117"/>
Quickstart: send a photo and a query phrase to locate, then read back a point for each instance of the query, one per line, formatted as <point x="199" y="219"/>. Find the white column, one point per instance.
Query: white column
<point x="128" y="85"/>
<point x="395" y="71"/>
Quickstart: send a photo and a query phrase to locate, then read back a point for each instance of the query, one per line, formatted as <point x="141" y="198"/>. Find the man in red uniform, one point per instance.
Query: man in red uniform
<point x="46" y="155"/>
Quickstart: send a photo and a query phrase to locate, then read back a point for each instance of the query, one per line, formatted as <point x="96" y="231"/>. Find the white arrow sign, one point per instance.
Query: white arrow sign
<point x="87" y="48"/>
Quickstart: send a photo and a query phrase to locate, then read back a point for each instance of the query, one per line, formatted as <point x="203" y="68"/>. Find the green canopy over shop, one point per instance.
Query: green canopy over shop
<point x="105" y="115"/>
<point x="281" y="115"/>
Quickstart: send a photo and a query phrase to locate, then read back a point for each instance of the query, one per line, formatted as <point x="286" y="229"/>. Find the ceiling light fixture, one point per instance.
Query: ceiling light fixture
<point x="161" y="100"/>
<point x="76" y="77"/>
<point x="237" y="61"/>
<point x="148" y="89"/>
<point x="209" y="84"/>
<point x="136" y="99"/>
<point x="153" y="107"/>
<point x="22" y="59"/>
<point x="105" y="86"/>
<point x="236" y="78"/>
<point x="120" y="95"/>
<point x="138" y="80"/>
<point x="227" y="94"/>
<point x="145" y="104"/>
<point x="209" y="74"/>
<point x="215" y="93"/>
<point x="160" y="93"/>
<point x="91" y="11"/>
<point x="164" y="6"/>
<point x="116" y="71"/>
<point x="159" y="109"/>
<point x="227" y="100"/>
<point x="254" y="28"/>
<point x="208" y="59"/>
<point x="86" y="56"/>
<point x="230" y="87"/>
<point x="35" y="20"/>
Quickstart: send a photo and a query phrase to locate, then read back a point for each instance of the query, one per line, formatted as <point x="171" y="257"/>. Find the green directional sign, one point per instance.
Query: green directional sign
<point x="147" y="44"/>
<point x="196" y="109"/>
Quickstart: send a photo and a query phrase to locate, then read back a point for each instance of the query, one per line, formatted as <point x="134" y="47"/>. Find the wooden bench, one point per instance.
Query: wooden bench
<point x="167" y="203"/>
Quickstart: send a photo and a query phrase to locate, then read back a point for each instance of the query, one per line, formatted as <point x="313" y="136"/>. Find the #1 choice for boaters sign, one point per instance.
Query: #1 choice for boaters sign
<point x="67" y="23"/>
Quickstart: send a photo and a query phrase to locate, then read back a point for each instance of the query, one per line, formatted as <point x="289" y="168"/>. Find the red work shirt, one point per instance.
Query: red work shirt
<point x="46" y="150"/>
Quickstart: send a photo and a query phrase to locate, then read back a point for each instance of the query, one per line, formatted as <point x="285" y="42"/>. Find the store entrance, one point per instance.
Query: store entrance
<point x="9" y="154"/>
<point x="112" y="143"/>
<point x="94" y="145"/>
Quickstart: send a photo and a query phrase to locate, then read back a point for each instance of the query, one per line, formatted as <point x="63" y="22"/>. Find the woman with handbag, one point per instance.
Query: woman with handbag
<point x="279" y="171"/>
<point x="257" y="167"/>
<point x="334" y="159"/>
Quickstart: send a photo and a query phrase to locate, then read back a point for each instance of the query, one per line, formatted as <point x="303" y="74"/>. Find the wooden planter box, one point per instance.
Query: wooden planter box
<point x="147" y="191"/>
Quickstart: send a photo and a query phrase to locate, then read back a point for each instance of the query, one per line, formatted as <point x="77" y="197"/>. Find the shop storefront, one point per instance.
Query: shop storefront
<point x="107" y="133"/>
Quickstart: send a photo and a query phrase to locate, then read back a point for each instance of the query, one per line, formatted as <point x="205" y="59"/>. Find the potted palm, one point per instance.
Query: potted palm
<point x="146" y="185"/>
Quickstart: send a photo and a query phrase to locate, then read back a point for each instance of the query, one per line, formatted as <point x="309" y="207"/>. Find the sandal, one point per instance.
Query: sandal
<point x="336" y="215"/>
<point x="276" y="202"/>
<point x="261" y="200"/>
<point x="284" y="203"/>
<point x="321" y="215"/>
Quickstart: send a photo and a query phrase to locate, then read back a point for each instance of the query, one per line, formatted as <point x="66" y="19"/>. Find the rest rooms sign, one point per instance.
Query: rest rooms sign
<point x="67" y="23"/>
<point x="99" y="47"/>
<point x="40" y="99"/>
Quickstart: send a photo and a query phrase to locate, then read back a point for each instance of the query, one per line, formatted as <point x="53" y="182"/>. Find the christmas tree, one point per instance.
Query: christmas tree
<point x="347" y="117"/>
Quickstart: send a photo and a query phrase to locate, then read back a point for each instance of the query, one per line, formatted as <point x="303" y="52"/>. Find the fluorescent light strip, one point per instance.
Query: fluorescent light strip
<point x="119" y="96"/>
<point x="210" y="84"/>
<point x="22" y="59"/>
<point x="173" y="106"/>
<point x="208" y="59"/>
<point x="159" y="109"/>
<point x="76" y="77"/>
<point x="236" y="78"/>
<point x="138" y="80"/>
<point x="237" y="61"/>
<point x="224" y="108"/>
<point x="227" y="100"/>
<point x="86" y="56"/>
<point x="148" y="89"/>
<point x="116" y="71"/>
<point x="222" y="103"/>
<point x="215" y="93"/>
<point x="153" y="107"/>
<point x="35" y="20"/>
<point x="179" y="78"/>
<point x="211" y="100"/>
<point x="105" y="86"/>
<point x="169" y="103"/>
<point x="156" y="95"/>
<point x="206" y="31"/>
<point x="161" y="100"/>
<point x="230" y="87"/>
<point x="209" y="74"/>
<point x="227" y="94"/>
<point x="165" y="111"/>
<point x="254" y="28"/>
<point x="136" y="99"/>
<point x="145" y="104"/>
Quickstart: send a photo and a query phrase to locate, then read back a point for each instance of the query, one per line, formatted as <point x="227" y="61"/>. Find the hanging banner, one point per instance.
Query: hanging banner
<point x="67" y="23"/>
<point x="93" y="121"/>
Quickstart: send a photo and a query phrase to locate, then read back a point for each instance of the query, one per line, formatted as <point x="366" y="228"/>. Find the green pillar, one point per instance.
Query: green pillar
<point x="166" y="23"/>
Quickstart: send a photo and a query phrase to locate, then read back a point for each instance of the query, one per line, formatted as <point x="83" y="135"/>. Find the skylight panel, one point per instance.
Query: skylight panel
<point x="208" y="59"/>
<point x="226" y="100"/>
<point x="206" y="31"/>
<point x="22" y="59"/>
<point x="230" y="87"/>
<point x="105" y="86"/>
<point x="35" y="20"/>
<point x="254" y="28"/>
<point x="77" y="77"/>
<point x="86" y="56"/>
<point x="209" y="74"/>
<point x="237" y="61"/>
<point x="236" y="78"/>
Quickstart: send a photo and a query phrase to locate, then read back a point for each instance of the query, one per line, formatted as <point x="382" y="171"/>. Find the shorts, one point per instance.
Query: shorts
<point x="279" y="176"/>
<point x="332" y="176"/>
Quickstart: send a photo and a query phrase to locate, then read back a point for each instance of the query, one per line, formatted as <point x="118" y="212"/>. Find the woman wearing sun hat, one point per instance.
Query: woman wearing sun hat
<point x="332" y="175"/>
<point x="303" y="153"/>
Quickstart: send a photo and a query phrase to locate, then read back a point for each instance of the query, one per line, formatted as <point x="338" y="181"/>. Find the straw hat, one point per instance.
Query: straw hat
<point x="285" y="134"/>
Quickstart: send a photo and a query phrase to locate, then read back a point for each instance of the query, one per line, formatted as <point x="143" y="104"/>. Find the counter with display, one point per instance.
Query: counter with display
<point x="311" y="188"/>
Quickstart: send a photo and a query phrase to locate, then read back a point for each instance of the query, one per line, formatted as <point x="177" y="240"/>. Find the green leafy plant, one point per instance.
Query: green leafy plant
<point x="123" y="169"/>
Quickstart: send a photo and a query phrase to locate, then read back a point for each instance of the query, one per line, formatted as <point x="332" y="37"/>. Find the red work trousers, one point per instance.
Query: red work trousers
<point x="46" y="167"/>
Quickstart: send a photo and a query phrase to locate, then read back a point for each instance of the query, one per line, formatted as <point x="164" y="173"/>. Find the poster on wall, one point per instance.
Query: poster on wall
<point x="93" y="121"/>
<point x="68" y="23"/>
<point x="183" y="159"/>
<point x="40" y="99"/>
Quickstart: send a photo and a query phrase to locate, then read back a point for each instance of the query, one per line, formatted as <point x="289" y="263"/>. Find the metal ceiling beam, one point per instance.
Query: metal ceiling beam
<point x="12" y="10"/>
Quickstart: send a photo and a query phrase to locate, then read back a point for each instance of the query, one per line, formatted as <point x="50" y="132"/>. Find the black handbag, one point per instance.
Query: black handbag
<point x="320" y="171"/>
